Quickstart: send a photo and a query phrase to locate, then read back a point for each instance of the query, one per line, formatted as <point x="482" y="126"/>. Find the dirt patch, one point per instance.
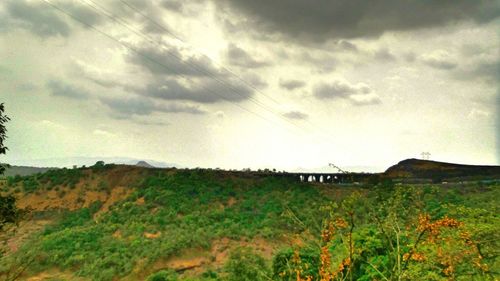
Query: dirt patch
<point x="231" y="201"/>
<point x="54" y="274"/>
<point x="118" y="193"/>
<point x="94" y="196"/>
<point x="140" y="201"/>
<point x="195" y="261"/>
<point x="190" y="261"/>
<point x="180" y="264"/>
<point x="16" y="236"/>
<point x="73" y="199"/>
<point x="117" y="234"/>
<point x="152" y="235"/>
<point x="221" y="249"/>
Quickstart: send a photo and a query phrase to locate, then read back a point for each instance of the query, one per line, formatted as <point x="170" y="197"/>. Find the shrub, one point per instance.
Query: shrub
<point x="30" y="184"/>
<point x="286" y="262"/>
<point x="163" y="275"/>
<point x="245" y="265"/>
<point x="103" y="186"/>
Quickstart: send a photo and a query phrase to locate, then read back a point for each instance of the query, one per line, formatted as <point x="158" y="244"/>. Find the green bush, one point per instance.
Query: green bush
<point x="286" y="261"/>
<point x="163" y="275"/>
<point x="30" y="184"/>
<point x="245" y="265"/>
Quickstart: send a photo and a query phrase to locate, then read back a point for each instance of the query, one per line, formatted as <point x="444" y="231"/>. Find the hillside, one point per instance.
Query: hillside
<point x="117" y="222"/>
<point x="438" y="171"/>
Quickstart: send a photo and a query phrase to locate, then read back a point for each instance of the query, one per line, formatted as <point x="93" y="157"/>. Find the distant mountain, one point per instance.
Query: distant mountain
<point x="415" y="168"/>
<point x="24" y="171"/>
<point x="69" y="162"/>
<point x="144" y="164"/>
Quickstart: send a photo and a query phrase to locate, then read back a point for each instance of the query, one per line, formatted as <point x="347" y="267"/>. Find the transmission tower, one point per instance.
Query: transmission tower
<point x="426" y="155"/>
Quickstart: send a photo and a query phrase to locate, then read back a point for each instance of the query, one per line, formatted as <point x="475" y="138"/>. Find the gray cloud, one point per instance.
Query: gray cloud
<point x="488" y="72"/>
<point x="358" y="95"/>
<point x="255" y="81"/>
<point x="297" y="115"/>
<point x="336" y="89"/>
<point x="409" y="56"/>
<point x="385" y="55"/>
<point x="322" y="63"/>
<point x="321" y="20"/>
<point x="39" y="19"/>
<point x="196" y="89"/>
<point x="239" y="57"/>
<point x="205" y="91"/>
<point x="473" y="49"/>
<point x="348" y="46"/>
<point x="26" y="87"/>
<point x="190" y="8"/>
<point x="84" y="13"/>
<point x="126" y="108"/>
<point x="63" y="89"/>
<point x="292" y="84"/>
<point x="44" y="21"/>
<point x="497" y="125"/>
<point x="172" y="5"/>
<point x="105" y="79"/>
<point x="170" y="61"/>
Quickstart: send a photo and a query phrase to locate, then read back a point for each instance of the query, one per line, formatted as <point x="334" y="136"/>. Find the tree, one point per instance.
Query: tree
<point x="3" y="134"/>
<point x="8" y="210"/>
<point x="9" y="213"/>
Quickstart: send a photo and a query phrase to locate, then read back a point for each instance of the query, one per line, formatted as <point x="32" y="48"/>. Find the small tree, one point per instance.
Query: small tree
<point x="8" y="210"/>
<point x="3" y="134"/>
<point x="245" y="265"/>
<point x="9" y="213"/>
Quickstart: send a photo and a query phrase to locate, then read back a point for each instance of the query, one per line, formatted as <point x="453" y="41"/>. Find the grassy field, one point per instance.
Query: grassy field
<point x="128" y="223"/>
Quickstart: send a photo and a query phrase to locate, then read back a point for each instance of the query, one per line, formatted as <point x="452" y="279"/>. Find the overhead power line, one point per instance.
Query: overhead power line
<point x="122" y="22"/>
<point x="151" y="59"/>
<point x="132" y="7"/>
<point x="135" y="9"/>
<point x="136" y="51"/>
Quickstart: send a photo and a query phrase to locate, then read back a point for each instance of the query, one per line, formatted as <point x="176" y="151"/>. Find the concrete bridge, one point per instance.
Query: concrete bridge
<point x="332" y="177"/>
<point x="327" y="178"/>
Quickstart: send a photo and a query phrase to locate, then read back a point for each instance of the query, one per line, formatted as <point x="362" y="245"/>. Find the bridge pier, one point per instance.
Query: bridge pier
<point x="329" y="178"/>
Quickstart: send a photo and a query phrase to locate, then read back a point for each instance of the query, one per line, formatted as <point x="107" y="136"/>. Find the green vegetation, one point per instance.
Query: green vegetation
<point x="52" y="179"/>
<point x="245" y="265"/>
<point x="49" y="180"/>
<point x="9" y="214"/>
<point x="380" y="232"/>
<point x="163" y="275"/>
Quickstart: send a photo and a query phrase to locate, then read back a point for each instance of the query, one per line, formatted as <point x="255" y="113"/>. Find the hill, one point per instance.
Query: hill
<point x="120" y="222"/>
<point x="440" y="171"/>
<point x="144" y="164"/>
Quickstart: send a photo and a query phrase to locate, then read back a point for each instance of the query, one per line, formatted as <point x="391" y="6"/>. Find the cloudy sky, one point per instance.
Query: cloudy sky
<point x="263" y="83"/>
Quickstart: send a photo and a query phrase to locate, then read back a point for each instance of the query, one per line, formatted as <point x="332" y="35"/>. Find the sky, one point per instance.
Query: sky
<point x="282" y="84"/>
